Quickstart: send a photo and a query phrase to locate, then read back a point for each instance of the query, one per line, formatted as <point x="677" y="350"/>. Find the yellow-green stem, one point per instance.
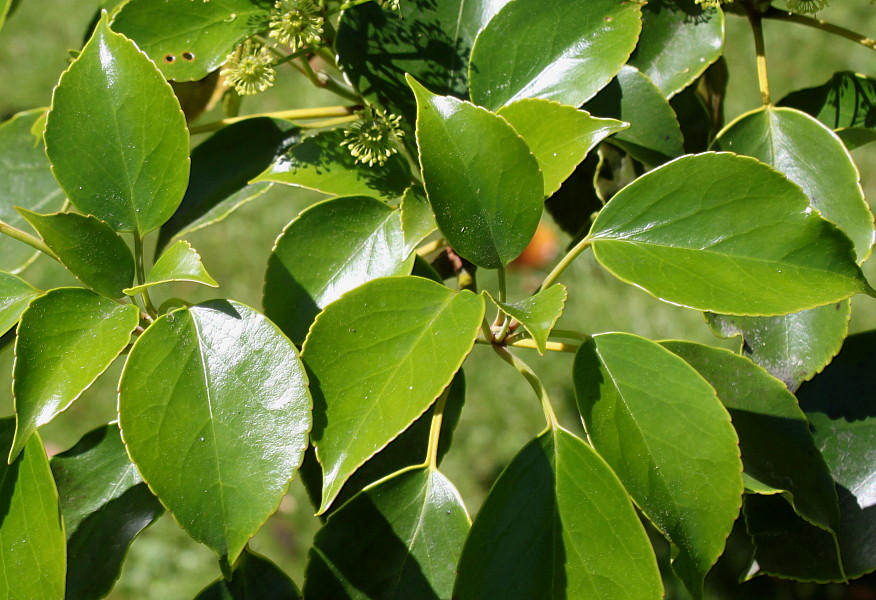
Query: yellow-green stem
<point x="781" y="15"/>
<point x="23" y="236"/>
<point x="763" y="82"/>
<point x="529" y="343"/>
<point x="435" y="430"/>
<point x="537" y="386"/>
<point x="141" y="275"/>
<point x="321" y="112"/>
<point x="564" y="264"/>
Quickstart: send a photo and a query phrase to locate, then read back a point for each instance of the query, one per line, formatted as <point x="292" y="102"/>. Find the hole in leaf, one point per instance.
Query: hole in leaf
<point x="169" y="58"/>
<point x="189" y="56"/>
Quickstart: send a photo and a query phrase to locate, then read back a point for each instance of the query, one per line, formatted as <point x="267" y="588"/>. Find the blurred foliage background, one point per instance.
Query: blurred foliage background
<point x="501" y="414"/>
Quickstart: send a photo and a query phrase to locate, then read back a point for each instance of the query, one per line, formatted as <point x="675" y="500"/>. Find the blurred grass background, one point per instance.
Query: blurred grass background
<point x="501" y="414"/>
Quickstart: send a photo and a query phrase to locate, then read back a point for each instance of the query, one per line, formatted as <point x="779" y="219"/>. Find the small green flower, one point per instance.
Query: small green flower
<point x="296" y="23"/>
<point x="388" y="4"/>
<point x="373" y="138"/>
<point x="249" y="69"/>
<point x="712" y="3"/>
<point x="806" y="7"/>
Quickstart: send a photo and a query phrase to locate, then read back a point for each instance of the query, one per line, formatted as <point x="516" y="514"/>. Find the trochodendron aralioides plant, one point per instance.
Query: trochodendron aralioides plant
<point x="458" y="122"/>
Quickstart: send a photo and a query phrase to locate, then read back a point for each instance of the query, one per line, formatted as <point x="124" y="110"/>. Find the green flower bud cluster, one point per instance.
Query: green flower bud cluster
<point x="374" y="137"/>
<point x="249" y="69"/>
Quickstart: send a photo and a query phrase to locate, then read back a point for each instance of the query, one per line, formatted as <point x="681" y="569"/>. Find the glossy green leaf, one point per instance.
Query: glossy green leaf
<point x="407" y="450"/>
<point x="26" y="180"/>
<point x="214" y="409"/>
<point x="538" y="313"/>
<point x="484" y="184"/>
<point x="783" y="138"/>
<point x="679" y="40"/>
<point x="5" y="8"/>
<point x="659" y="425"/>
<point x="566" y="52"/>
<point x="320" y="163"/>
<point x="654" y="135"/>
<point x="727" y="234"/>
<point x="222" y="167"/>
<point x="189" y="39"/>
<point x="838" y="403"/>
<point x="792" y="348"/>
<point x="254" y="578"/>
<point x="105" y="505"/>
<point x="89" y="248"/>
<point x="66" y="339"/>
<point x="331" y="248"/>
<point x="846" y="103"/>
<point x="32" y="550"/>
<point x="559" y="136"/>
<point x="417" y="218"/>
<point x="777" y="448"/>
<point x="180" y="262"/>
<point x="429" y="40"/>
<point x="130" y="165"/>
<point x="557" y="524"/>
<point x="400" y="538"/>
<point x="379" y="356"/>
<point x="15" y="295"/>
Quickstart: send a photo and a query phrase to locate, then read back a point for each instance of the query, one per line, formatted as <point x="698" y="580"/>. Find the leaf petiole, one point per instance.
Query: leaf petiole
<point x="435" y="430"/>
<point x="30" y="240"/>
<point x="564" y="264"/>
<point x="537" y="386"/>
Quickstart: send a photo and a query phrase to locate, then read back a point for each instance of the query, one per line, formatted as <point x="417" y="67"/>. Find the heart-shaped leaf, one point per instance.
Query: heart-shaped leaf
<point x="484" y="184"/>
<point x="538" y="314"/>
<point x="679" y="40"/>
<point x="15" y="295"/>
<point x="180" y="262"/>
<point x="783" y="138"/>
<point x="792" y="348"/>
<point x="188" y="39"/>
<point x="331" y="248"/>
<point x="130" y="165"/>
<point x="32" y="549"/>
<point x="400" y="538"/>
<point x="379" y="356"/>
<point x="727" y="234"/>
<point x="654" y="135"/>
<point x="254" y="578"/>
<point x="105" y="505"/>
<point x="565" y="52"/>
<point x="215" y="411"/>
<point x="557" y="524"/>
<point x="659" y="425"/>
<point x="222" y="167"/>
<point x="320" y="163"/>
<point x="66" y="339"/>
<point x="89" y="248"/>
<point x="777" y="449"/>
<point x="26" y="180"/>
<point x="559" y="136"/>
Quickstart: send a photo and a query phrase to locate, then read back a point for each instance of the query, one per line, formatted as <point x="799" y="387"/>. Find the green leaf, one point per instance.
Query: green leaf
<point x="557" y="524"/>
<point x="484" y="184"/>
<point x="566" y="52"/>
<point x="5" y="9"/>
<point x="379" y="356"/>
<point x="320" y="163"/>
<point x="559" y="136"/>
<point x="331" y="248"/>
<point x="679" y="40"/>
<point x="654" y="135"/>
<point x="180" y="262"/>
<point x="26" y="180"/>
<point x="254" y="578"/>
<point x="32" y="550"/>
<point x="417" y="218"/>
<point x="222" y="167"/>
<point x="15" y="295"/>
<point x="538" y="313"/>
<point x="777" y="448"/>
<point x="105" y="505"/>
<point x="659" y="425"/>
<point x="189" y="39"/>
<point x="792" y="348"/>
<point x="838" y="404"/>
<point x="130" y="165"/>
<point x="783" y="138"/>
<point x="66" y="339"/>
<point x="400" y="538"/>
<point x="215" y="411"/>
<point x="846" y="103"/>
<point x="89" y="248"/>
<point x="407" y="450"/>
<point x="429" y="40"/>
<point x="727" y="234"/>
